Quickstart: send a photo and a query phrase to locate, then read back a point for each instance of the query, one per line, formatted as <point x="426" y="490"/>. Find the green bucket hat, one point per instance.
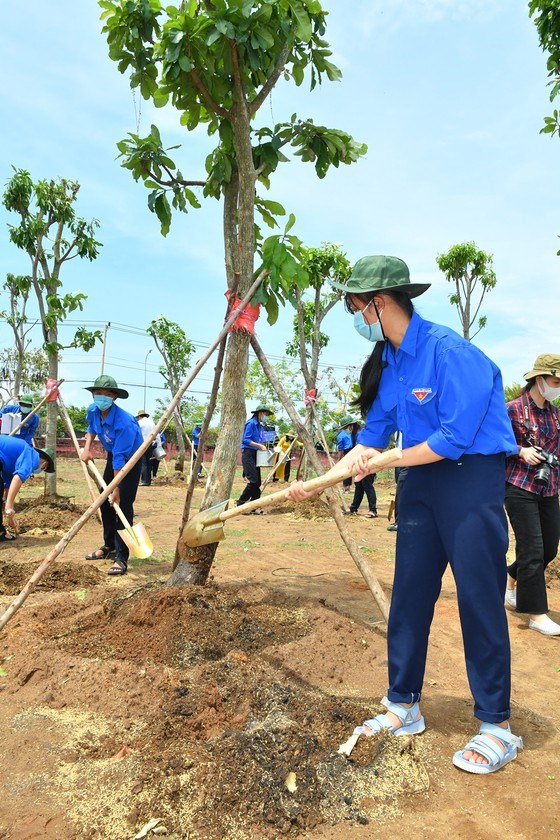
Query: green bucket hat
<point x="262" y="408"/>
<point x="547" y="364"/>
<point x="48" y="456"/>
<point x="381" y="274"/>
<point x="346" y="420"/>
<point x="109" y="384"/>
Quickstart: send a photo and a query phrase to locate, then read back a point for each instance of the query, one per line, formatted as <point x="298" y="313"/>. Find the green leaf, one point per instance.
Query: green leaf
<point x="3" y="672"/>
<point x="290" y="223"/>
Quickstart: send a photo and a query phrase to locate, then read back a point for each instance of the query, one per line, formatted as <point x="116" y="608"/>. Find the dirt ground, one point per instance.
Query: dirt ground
<point x="129" y="708"/>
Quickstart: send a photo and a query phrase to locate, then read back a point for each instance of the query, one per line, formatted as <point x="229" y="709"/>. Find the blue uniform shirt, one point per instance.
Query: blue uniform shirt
<point x="344" y="440"/>
<point x="17" y="458"/>
<point x="439" y="388"/>
<point x="253" y="431"/>
<point x="118" y="432"/>
<point x="26" y="432"/>
<point x="196" y="436"/>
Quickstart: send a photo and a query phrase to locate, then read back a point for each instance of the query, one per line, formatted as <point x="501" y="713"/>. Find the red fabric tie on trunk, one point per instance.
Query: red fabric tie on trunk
<point x="246" y="318"/>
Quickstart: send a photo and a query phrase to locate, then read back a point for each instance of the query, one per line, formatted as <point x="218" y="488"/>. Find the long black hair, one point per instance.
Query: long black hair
<point x="373" y="367"/>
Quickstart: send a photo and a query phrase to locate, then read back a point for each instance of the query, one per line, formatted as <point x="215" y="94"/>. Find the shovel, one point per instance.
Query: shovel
<point x="134" y="537"/>
<point x="207" y="526"/>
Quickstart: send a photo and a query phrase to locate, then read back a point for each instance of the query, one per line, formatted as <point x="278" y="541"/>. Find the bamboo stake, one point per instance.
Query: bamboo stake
<point x="162" y="422"/>
<point x="353" y="549"/>
<point x="72" y="433"/>
<point x="36" y="409"/>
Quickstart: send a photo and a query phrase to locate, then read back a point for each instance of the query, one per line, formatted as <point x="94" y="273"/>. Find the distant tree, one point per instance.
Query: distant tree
<point x="470" y="271"/>
<point x="32" y="370"/>
<point x="78" y="416"/>
<point x="259" y="390"/>
<point x="512" y="391"/>
<point x="312" y="307"/>
<point x="51" y="234"/>
<point x="546" y="15"/>
<point x="217" y="63"/>
<point x="18" y="289"/>
<point x="176" y="351"/>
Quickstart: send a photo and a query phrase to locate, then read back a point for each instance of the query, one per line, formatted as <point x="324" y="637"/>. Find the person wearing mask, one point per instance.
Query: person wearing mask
<point x="251" y="442"/>
<point x="120" y="435"/>
<point x="23" y="406"/>
<point x="18" y="461"/>
<point x="532" y="483"/>
<point x="447" y="398"/>
<point x="344" y="443"/>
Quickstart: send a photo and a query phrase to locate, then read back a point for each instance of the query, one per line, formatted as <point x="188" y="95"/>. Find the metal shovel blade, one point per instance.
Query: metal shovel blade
<point x="137" y="541"/>
<point x="205" y="527"/>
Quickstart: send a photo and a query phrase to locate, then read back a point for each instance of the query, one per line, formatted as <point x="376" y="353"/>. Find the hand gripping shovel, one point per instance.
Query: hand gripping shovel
<point x="134" y="536"/>
<point x="207" y="526"/>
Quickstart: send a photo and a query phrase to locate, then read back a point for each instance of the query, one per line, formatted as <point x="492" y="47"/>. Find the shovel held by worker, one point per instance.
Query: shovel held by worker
<point x="207" y="526"/>
<point x="134" y="537"/>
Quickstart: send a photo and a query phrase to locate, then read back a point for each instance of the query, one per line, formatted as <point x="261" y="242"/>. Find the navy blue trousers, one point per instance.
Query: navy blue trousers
<point x="452" y="512"/>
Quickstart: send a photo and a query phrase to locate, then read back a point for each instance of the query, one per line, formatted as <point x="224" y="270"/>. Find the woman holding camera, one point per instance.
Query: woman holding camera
<point x="532" y="483"/>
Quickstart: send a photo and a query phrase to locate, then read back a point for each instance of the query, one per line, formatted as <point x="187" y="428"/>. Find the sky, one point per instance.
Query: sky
<point x="449" y="96"/>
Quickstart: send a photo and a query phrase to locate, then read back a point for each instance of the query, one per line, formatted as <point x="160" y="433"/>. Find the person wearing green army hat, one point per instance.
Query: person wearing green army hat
<point x="447" y="399"/>
<point x="120" y="435"/>
<point x="252" y="441"/>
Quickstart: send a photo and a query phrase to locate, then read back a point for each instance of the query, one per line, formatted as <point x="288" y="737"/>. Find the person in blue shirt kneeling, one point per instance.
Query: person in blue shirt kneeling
<point x="447" y="399"/>
<point x="120" y="436"/>
<point x="18" y="461"/>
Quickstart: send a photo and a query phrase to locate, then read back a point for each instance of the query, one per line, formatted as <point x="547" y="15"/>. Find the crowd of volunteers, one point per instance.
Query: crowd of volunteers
<point x="469" y="463"/>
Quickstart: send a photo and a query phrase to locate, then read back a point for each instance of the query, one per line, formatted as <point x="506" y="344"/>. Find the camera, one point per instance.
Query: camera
<point x="544" y="469"/>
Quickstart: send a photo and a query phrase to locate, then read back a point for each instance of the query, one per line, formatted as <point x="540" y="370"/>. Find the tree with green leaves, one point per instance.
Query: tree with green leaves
<point x="546" y="15"/>
<point x="217" y="63"/>
<point x="50" y="232"/>
<point x="312" y="307"/>
<point x="469" y="270"/>
<point x="18" y="289"/>
<point x="176" y="351"/>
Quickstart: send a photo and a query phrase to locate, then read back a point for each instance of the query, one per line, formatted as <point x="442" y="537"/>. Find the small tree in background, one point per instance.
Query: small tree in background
<point x="470" y="271"/>
<point x="176" y="351"/>
<point x="217" y="63"/>
<point x="32" y="370"/>
<point x="18" y="289"/>
<point x="51" y="234"/>
<point x="312" y="307"/>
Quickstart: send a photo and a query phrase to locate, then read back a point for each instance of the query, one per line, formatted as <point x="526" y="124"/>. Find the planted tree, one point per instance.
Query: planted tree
<point x="23" y="361"/>
<point x="217" y="64"/>
<point x="312" y="307"/>
<point x="176" y="351"/>
<point x="546" y="15"/>
<point x="51" y="234"/>
<point x="470" y="271"/>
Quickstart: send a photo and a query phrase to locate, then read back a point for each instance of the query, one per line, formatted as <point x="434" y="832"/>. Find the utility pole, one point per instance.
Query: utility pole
<point x="107" y="325"/>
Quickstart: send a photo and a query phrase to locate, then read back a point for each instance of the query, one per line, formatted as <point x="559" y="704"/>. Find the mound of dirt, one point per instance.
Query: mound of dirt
<point x="42" y="516"/>
<point x="60" y="576"/>
<point x="236" y="744"/>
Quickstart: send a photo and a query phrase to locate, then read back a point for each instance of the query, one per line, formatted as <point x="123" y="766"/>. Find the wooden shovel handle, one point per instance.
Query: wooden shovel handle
<point x="321" y="482"/>
<point x="118" y="510"/>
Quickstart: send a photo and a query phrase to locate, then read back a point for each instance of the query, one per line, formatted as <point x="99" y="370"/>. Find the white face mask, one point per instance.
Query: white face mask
<point x="546" y="391"/>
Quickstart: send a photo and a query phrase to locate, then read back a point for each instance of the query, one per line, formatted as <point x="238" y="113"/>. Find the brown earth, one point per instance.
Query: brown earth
<point x="219" y="710"/>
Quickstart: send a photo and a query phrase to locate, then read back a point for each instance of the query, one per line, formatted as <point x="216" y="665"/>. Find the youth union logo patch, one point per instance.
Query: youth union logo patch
<point x="421" y="393"/>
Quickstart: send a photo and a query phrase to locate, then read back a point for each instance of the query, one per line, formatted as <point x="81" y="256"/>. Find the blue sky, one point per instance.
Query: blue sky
<point x="449" y="95"/>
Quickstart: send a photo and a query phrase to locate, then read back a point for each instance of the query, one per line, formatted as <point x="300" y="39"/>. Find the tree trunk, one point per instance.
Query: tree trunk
<point x="239" y="246"/>
<point x="180" y="462"/>
<point x="52" y="415"/>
